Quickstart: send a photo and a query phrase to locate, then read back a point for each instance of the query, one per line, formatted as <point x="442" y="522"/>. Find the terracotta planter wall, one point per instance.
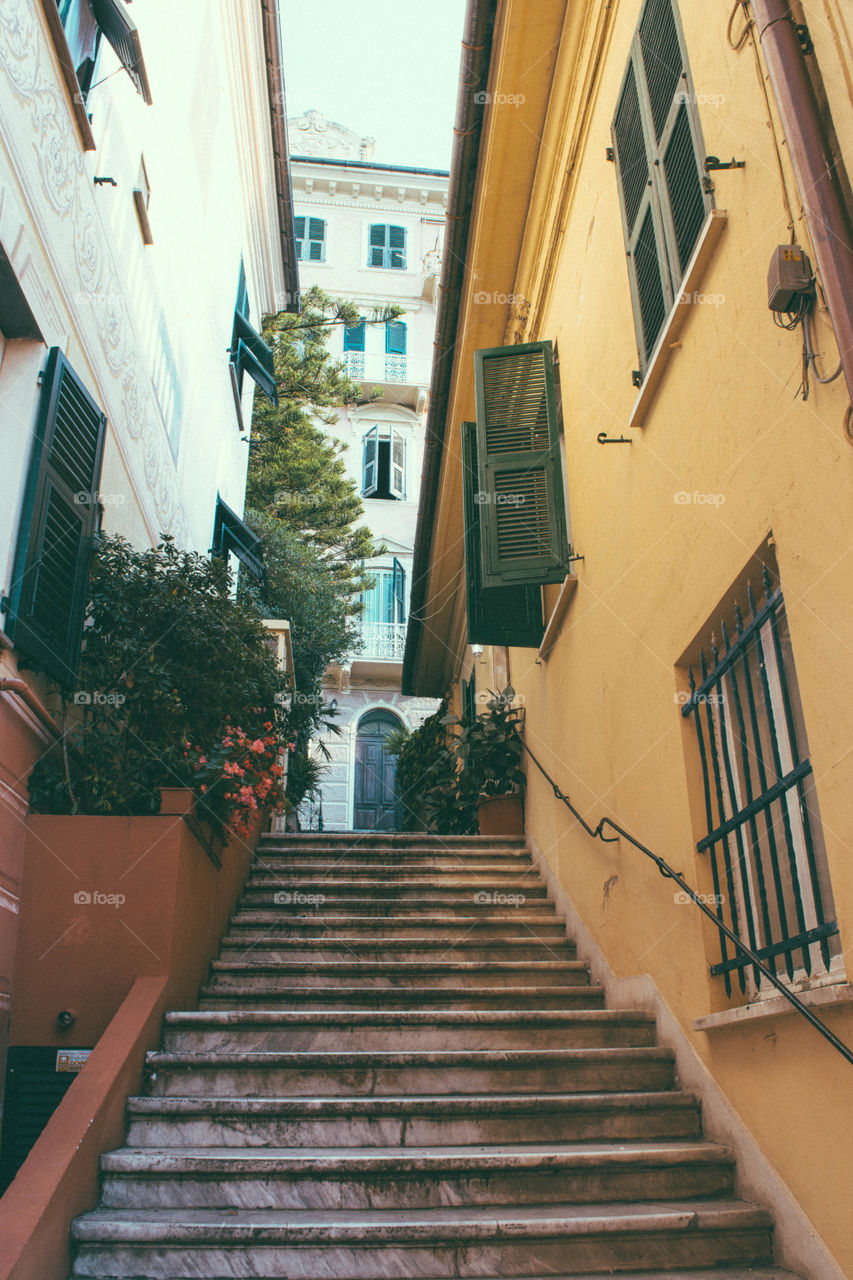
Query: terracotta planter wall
<point x="501" y="815"/>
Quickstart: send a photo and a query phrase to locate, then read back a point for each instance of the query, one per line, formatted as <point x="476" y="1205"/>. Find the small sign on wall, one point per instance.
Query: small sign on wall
<point x="71" y="1059"/>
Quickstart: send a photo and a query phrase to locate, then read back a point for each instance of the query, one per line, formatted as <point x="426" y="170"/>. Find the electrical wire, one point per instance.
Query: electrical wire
<point x="811" y="357"/>
<point x="748" y="23"/>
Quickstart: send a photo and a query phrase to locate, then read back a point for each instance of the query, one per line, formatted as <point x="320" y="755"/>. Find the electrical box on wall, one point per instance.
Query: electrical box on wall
<point x="788" y="278"/>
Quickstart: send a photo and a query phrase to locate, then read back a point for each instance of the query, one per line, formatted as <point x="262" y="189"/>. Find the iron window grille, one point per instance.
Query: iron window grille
<point x="386" y="246"/>
<point x="764" y="840"/>
<point x="310" y="236"/>
<point x="658" y="150"/>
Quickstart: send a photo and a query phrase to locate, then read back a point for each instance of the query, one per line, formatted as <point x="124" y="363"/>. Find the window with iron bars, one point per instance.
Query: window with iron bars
<point x="764" y="837"/>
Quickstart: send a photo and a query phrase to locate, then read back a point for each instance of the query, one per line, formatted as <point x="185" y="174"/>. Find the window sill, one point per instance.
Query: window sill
<point x="667" y="342"/>
<point x="69" y="75"/>
<point x="831" y="996"/>
<point x="552" y="630"/>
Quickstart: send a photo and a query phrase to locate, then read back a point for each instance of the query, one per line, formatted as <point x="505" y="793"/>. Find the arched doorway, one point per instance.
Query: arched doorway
<point x="375" y="798"/>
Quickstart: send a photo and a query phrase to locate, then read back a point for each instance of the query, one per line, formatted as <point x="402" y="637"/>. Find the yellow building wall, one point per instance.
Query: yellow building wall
<point x="602" y="710"/>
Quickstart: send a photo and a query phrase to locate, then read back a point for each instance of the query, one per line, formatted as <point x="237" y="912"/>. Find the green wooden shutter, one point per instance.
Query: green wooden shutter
<point x="658" y="149"/>
<point x="376" y="245"/>
<point x="230" y="533"/>
<point x="395" y="338"/>
<point x="397" y="465"/>
<point x="316" y="239"/>
<point x="496" y="615"/>
<point x="397" y="247"/>
<point x="299" y="236"/>
<point x="58" y="523"/>
<point x="520" y="472"/>
<point x="369" y="479"/>
<point x="252" y="355"/>
<point x="354" y="337"/>
<point x="398" y="591"/>
<point x="119" y="28"/>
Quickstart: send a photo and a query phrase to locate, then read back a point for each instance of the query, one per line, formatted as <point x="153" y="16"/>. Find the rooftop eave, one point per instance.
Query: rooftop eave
<point x="281" y="152"/>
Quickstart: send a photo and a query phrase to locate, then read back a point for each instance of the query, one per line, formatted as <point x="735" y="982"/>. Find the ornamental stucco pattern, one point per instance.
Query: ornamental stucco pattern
<point x="70" y="221"/>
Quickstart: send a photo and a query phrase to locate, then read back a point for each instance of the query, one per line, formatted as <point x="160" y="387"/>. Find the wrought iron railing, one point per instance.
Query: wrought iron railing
<point x="764" y="836"/>
<point x="597" y="833"/>
<point x="383" y="640"/>
<point x="373" y="366"/>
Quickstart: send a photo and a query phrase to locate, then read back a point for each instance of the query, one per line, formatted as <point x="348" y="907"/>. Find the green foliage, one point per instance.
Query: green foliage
<point x="169" y="658"/>
<point x="489" y="749"/>
<point x="304" y="777"/>
<point x="427" y="779"/>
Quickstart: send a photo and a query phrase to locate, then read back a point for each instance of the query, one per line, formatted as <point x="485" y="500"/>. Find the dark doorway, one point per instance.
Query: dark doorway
<point x="375" y="807"/>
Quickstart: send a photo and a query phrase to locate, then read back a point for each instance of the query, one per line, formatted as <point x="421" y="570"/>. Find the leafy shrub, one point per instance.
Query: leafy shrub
<point x="169" y="659"/>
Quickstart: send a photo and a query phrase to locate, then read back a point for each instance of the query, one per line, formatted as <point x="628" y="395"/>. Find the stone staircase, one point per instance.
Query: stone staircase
<point x="400" y="1069"/>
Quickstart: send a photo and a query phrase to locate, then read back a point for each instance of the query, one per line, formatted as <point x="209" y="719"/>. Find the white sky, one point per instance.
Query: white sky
<point x="387" y="69"/>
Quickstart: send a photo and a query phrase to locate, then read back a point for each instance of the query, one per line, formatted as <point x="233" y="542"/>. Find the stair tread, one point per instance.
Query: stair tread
<point x="416" y="1017"/>
<point x="432" y="1102"/>
<point x="487" y="1156"/>
<point x="398" y="966"/>
<point x="365" y="1058"/>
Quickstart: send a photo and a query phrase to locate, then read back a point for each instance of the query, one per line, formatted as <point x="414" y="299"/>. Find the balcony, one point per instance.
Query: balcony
<point x="381" y="640"/>
<point x="404" y="376"/>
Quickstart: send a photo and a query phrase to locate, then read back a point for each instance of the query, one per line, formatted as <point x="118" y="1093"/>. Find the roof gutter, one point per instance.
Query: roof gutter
<point x="281" y="152"/>
<point x="828" y="219"/>
<point x="473" y="78"/>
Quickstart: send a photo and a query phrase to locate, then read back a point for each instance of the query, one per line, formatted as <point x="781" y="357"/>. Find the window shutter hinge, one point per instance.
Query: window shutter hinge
<point x="707" y="185"/>
<point x="636" y="378"/>
<point x="5" y="603"/>
<point x="611" y="155"/>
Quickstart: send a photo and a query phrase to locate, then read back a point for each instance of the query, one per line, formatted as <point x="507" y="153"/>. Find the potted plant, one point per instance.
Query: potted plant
<point x="489" y="748"/>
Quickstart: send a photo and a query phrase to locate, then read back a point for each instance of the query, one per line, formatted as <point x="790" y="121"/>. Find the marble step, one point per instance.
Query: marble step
<point x="407" y="1120"/>
<point x="373" y="1244"/>
<point x="483" y="890"/>
<point x="298" y="905"/>
<point x="388" y="843"/>
<point x="733" y="1272"/>
<point x="413" y="864"/>
<point x="235" y="1030"/>
<point x="539" y="925"/>
<point x="421" y="1178"/>
<point x="638" y="1079"/>
<point x="412" y="975"/>
<point x="267" y="947"/>
<point x="393" y="878"/>
<point x="271" y="995"/>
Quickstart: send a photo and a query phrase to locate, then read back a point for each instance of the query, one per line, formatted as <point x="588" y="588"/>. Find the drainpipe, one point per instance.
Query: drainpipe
<point x="828" y="219"/>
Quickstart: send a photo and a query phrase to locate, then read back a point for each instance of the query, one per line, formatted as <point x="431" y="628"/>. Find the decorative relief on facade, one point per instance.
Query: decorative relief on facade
<point x="312" y="134"/>
<point x="68" y="193"/>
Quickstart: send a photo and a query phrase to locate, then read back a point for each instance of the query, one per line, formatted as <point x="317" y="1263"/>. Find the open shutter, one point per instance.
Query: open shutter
<point x="395" y="338"/>
<point x="252" y="355"/>
<point x="316" y="239"/>
<point x="230" y="533"/>
<point x="354" y="337"/>
<point x="299" y="236"/>
<point x="657" y="146"/>
<point x="496" y="615"/>
<point x="398" y="465"/>
<point x="520" y="472"/>
<point x="120" y="29"/>
<point x="398" y="589"/>
<point x="369" y="482"/>
<point x="58" y="523"/>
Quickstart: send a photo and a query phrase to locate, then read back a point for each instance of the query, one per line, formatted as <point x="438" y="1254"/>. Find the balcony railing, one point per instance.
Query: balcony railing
<point x="383" y="640"/>
<point x="373" y="367"/>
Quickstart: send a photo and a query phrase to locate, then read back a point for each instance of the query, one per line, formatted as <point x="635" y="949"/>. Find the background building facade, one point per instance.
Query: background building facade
<point x="372" y="234"/>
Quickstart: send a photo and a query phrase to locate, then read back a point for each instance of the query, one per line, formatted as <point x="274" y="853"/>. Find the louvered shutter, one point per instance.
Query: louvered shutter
<point x="395" y="338"/>
<point x="58" y="522"/>
<point x="119" y="28"/>
<point x="658" y="150"/>
<point x="398" y="590"/>
<point x="369" y="483"/>
<point x="299" y="236"/>
<point x="354" y="337"/>
<point x="376" y="245"/>
<point x="398" y="465"/>
<point x="252" y="355"/>
<point x="316" y="239"/>
<point x="520" y="473"/>
<point x="496" y="615"/>
<point x="230" y="533"/>
<point x="397" y="247"/>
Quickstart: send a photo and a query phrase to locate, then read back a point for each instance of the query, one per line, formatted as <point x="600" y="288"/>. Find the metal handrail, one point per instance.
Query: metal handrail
<point x="669" y="874"/>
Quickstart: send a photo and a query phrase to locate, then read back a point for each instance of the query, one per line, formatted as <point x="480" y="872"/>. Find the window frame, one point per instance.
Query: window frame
<point x="386" y="248"/>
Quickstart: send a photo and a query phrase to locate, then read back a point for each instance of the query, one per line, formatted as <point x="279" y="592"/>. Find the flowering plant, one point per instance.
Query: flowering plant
<point x="235" y="778"/>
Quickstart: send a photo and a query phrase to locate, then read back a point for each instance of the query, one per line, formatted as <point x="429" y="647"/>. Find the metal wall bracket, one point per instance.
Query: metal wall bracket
<point x="714" y="162"/>
<point x="604" y="438"/>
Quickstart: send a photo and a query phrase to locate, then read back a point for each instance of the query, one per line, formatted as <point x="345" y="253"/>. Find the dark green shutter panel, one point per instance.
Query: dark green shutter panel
<point x="395" y="338"/>
<point x="377" y="234"/>
<point x="632" y="165"/>
<point x="119" y="28"/>
<point x="518" y="447"/>
<point x="662" y="60"/>
<point x="230" y="533"/>
<point x="648" y="283"/>
<point x="398" y="591"/>
<point x="58" y="523"/>
<point x="496" y="615"/>
<point x="252" y="355"/>
<point x="686" y="201"/>
<point x="354" y="337"/>
<point x="316" y="229"/>
<point x="397" y="247"/>
<point x="299" y="228"/>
